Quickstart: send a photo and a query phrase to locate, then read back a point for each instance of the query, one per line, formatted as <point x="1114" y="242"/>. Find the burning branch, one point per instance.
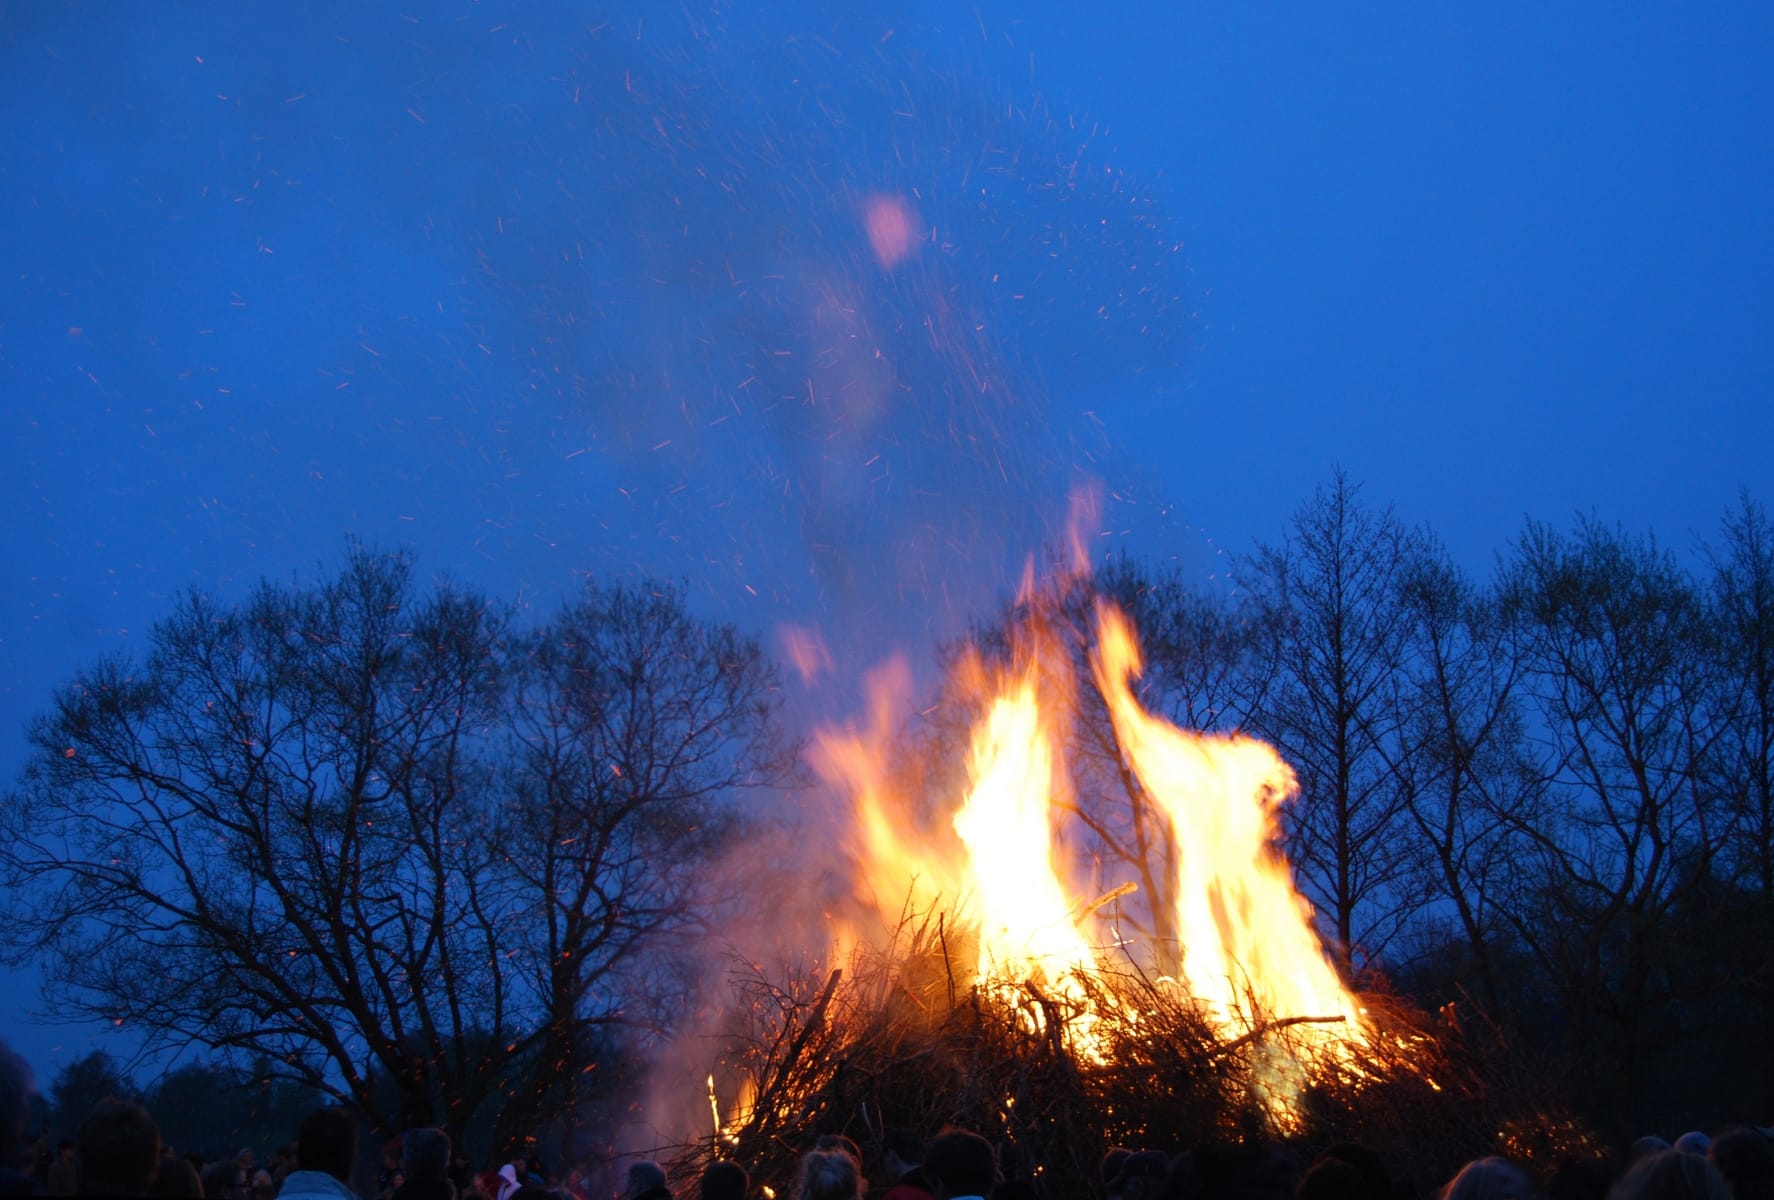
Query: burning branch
<point x="769" y="1097"/>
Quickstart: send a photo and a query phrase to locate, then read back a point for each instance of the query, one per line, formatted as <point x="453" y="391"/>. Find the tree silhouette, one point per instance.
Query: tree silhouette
<point x="1332" y="588"/>
<point x="1614" y="643"/>
<point x="318" y="827"/>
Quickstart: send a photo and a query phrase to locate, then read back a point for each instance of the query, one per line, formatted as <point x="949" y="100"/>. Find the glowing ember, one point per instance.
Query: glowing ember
<point x="891" y="227"/>
<point x="806" y="650"/>
<point x="1248" y="952"/>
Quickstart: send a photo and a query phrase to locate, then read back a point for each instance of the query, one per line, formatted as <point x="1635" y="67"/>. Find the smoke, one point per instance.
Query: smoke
<point x="828" y="305"/>
<point x="814" y="311"/>
<point x="819" y="296"/>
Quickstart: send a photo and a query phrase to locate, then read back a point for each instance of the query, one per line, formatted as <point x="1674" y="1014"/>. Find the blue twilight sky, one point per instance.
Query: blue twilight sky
<point x="551" y="290"/>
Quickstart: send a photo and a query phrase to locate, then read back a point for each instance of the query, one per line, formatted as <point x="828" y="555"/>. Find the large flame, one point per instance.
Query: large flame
<point x="1027" y="924"/>
<point x="1246" y="933"/>
<point x="992" y="862"/>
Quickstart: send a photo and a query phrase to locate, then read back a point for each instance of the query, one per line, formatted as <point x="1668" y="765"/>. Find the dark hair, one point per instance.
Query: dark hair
<point x="1673" y="1175"/>
<point x="1580" y="1179"/>
<point x="119" y="1148"/>
<point x="177" y="1179"/>
<point x="906" y="1144"/>
<point x="1141" y="1176"/>
<point x="1644" y="1147"/>
<point x="1745" y="1157"/>
<point x="425" y="1154"/>
<point x="1332" y="1179"/>
<point x="644" y="1176"/>
<point x="961" y="1162"/>
<point x="1369" y="1163"/>
<point x="220" y="1177"/>
<point x="724" y="1181"/>
<point x="327" y="1141"/>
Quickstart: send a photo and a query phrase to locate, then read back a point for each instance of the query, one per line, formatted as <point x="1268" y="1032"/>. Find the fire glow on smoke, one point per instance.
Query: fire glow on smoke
<point x="1245" y="951"/>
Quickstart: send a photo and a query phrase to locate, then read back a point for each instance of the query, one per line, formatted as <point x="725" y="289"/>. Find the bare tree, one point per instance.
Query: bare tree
<point x="1205" y="646"/>
<point x="295" y="831"/>
<point x="1460" y="754"/>
<point x="1616" y="665"/>
<point x="1741" y="599"/>
<point x="1742" y="596"/>
<point x="81" y="1084"/>
<point x="635" y="728"/>
<point x="1331" y="589"/>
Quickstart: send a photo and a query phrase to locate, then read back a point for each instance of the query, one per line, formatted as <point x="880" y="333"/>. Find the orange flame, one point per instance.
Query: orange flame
<point x="1027" y="929"/>
<point x="1248" y="948"/>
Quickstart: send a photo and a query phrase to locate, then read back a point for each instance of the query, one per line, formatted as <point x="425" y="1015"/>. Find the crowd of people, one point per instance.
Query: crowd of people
<point x="118" y="1152"/>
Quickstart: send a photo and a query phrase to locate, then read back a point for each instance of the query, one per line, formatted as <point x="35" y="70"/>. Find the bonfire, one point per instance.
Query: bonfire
<point x="994" y="983"/>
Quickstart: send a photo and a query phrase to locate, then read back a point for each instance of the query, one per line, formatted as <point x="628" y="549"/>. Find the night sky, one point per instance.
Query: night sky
<point x="828" y="310"/>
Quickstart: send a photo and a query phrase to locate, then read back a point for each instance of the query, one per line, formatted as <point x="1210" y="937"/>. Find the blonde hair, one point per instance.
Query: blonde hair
<point x="828" y="1175"/>
<point x="1489" y="1179"/>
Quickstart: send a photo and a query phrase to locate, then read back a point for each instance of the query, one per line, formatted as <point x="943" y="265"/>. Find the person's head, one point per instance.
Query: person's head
<point x="177" y="1179"/>
<point x="901" y="1151"/>
<point x="842" y="1144"/>
<point x="1489" y="1179"/>
<point x="220" y="1178"/>
<point x="1672" y="1175"/>
<point x="828" y="1175"/>
<point x="1645" y="1147"/>
<point x="425" y="1155"/>
<point x="16" y="1090"/>
<point x="461" y="1170"/>
<point x="327" y="1142"/>
<point x="1693" y="1142"/>
<point x="1586" y="1178"/>
<point x="960" y="1164"/>
<point x="64" y="1150"/>
<point x="119" y="1147"/>
<point x="1141" y="1176"/>
<point x="724" y="1181"/>
<point x="643" y="1177"/>
<point x="1111" y="1164"/>
<point x="1332" y="1179"/>
<point x="1370" y="1164"/>
<point x="1745" y="1157"/>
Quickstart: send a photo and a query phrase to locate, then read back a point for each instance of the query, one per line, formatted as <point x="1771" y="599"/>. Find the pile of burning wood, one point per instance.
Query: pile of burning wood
<point x="1193" y="1003"/>
<point x="912" y="1039"/>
